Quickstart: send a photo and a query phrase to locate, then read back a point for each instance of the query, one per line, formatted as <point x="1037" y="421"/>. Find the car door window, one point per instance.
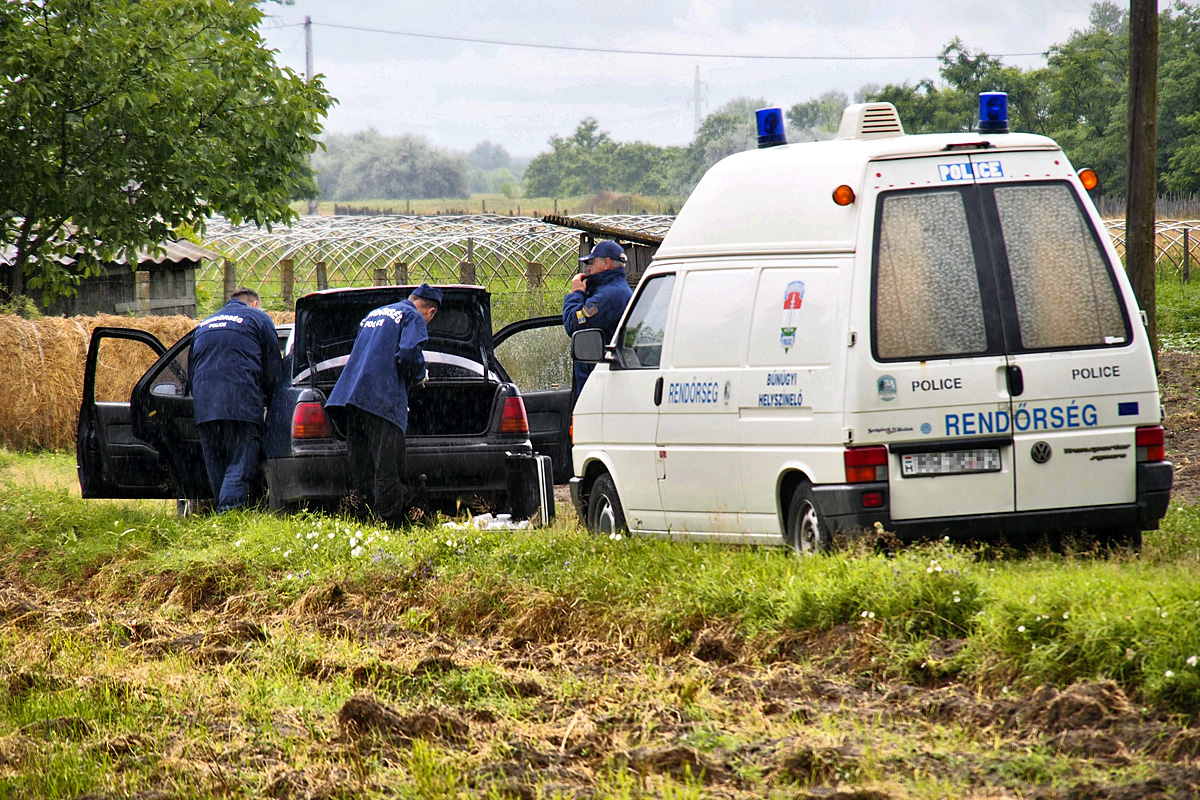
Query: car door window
<point x="537" y="359"/>
<point x="641" y="338"/>
<point x="171" y="377"/>
<point x="927" y="297"/>
<point x="120" y="363"/>
<point x="1063" y="288"/>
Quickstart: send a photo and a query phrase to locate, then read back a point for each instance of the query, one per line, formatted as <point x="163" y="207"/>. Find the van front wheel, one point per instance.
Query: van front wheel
<point x="605" y="515"/>
<point x="807" y="533"/>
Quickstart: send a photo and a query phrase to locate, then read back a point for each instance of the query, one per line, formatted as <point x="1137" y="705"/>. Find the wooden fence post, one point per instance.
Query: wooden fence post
<point x="401" y="273"/>
<point x="142" y="289"/>
<point x="1187" y="258"/>
<point x="322" y="276"/>
<point x="287" y="279"/>
<point x="533" y="276"/>
<point x="230" y="278"/>
<point x="380" y="277"/>
<point x="466" y="269"/>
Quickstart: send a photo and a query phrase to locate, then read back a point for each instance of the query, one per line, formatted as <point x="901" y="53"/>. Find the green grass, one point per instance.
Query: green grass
<point x="214" y="656"/>
<point x="1028" y="620"/>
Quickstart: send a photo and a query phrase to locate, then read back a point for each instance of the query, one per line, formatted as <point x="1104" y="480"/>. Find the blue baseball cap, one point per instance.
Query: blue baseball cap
<point x="606" y="249"/>
<point x="427" y="292"/>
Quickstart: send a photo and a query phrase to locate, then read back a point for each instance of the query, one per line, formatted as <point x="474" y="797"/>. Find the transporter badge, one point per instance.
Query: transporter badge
<point x="886" y="386"/>
<point x="793" y="296"/>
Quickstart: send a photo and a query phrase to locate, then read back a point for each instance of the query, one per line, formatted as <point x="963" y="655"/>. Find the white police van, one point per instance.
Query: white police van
<point x="932" y="332"/>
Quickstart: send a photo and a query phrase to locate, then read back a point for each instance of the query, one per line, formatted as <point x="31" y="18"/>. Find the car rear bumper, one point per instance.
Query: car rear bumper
<point x="434" y="473"/>
<point x="841" y="505"/>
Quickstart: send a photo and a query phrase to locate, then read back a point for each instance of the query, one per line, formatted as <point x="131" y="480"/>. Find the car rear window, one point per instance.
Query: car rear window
<point x="1064" y="292"/>
<point x="927" y="299"/>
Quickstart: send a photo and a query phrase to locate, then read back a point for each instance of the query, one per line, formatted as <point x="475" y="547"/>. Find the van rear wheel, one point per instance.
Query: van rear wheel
<point x="605" y="515"/>
<point x="807" y="533"/>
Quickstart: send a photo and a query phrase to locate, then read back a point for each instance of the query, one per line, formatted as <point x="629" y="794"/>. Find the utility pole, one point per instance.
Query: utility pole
<point x="308" y="73"/>
<point x="1141" y="179"/>
<point x="313" y="205"/>
<point x="698" y="99"/>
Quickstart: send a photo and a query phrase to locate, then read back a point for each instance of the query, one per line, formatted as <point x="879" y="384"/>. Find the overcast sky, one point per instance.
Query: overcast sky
<point x="458" y="94"/>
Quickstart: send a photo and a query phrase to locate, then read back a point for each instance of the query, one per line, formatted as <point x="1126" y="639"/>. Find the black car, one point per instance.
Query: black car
<point x="472" y="432"/>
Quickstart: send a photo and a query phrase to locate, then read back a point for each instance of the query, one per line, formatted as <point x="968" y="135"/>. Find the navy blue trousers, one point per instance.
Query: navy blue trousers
<point x="376" y="450"/>
<point x="232" y="453"/>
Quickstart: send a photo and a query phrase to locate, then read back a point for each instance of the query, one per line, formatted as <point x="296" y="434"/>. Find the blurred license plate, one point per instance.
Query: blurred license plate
<point x="957" y="462"/>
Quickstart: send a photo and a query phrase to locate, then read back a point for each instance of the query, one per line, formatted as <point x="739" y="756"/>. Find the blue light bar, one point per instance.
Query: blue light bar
<point x="770" y="127"/>
<point x="993" y="112"/>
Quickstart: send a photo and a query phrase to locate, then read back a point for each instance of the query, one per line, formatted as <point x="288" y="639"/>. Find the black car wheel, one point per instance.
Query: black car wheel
<point x="605" y="515"/>
<point x="807" y="533"/>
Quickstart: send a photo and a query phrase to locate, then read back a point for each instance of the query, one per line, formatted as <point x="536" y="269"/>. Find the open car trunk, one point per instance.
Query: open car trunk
<point x="458" y="399"/>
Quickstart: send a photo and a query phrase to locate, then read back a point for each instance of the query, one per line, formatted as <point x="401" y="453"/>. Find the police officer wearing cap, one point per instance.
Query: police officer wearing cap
<point x="597" y="298"/>
<point x="234" y="367"/>
<point x="369" y="402"/>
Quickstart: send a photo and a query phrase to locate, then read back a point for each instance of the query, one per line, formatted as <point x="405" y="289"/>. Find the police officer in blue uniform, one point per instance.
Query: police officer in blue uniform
<point x="369" y="403"/>
<point x="597" y="298"/>
<point x="235" y="367"/>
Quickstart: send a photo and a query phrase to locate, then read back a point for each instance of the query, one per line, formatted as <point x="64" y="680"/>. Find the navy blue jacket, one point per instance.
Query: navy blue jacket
<point x="234" y="364"/>
<point x="600" y="305"/>
<point x="385" y="362"/>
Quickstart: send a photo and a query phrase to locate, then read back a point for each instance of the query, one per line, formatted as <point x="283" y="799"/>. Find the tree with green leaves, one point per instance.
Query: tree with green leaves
<point x="123" y="121"/>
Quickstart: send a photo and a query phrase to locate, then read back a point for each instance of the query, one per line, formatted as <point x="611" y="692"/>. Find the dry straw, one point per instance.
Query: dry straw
<point x="41" y="372"/>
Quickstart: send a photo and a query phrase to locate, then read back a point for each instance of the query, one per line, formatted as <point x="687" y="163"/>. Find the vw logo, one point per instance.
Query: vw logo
<point x="1040" y="452"/>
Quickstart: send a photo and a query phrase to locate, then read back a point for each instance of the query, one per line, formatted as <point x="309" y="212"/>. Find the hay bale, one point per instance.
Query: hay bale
<point x="42" y="361"/>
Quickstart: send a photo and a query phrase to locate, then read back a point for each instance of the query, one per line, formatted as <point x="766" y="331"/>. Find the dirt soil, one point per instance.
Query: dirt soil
<point x="527" y="716"/>
<point x="1179" y="386"/>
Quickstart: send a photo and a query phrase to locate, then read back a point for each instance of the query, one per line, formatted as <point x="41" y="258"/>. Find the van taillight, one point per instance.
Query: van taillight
<point x="1151" y="444"/>
<point x="865" y="464"/>
<point x="513" y="420"/>
<point x="309" y="422"/>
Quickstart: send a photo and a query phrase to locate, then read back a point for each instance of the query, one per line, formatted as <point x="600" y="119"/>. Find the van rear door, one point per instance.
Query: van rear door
<point x="1081" y="380"/>
<point x="937" y="392"/>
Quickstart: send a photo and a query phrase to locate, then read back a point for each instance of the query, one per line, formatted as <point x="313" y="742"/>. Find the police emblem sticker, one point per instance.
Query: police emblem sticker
<point x="728" y="391"/>
<point x="793" y="296"/>
<point x="926" y="428"/>
<point x="886" y="386"/>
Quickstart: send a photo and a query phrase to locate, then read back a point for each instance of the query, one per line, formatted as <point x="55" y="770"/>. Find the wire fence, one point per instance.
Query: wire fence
<point x="525" y="263"/>
<point x="1176" y="246"/>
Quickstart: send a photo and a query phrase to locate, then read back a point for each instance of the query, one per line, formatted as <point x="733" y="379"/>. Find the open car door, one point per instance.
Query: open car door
<point x="535" y="354"/>
<point x="112" y="461"/>
<point x="163" y="414"/>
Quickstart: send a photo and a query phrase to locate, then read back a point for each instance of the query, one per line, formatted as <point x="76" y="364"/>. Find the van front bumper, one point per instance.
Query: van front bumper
<point x="841" y="506"/>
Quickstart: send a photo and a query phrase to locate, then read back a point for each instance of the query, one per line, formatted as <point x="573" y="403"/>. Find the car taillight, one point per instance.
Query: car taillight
<point x="309" y="422"/>
<point x="1151" y="444"/>
<point x="864" y="464"/>
<point x="513" y="420"/>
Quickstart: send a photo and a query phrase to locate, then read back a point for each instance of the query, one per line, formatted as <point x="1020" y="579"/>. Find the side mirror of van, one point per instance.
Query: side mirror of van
<point x="588" y="346"/>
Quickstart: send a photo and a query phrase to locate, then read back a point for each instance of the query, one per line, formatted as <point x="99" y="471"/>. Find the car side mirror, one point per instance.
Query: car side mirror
<point x="588" y="346"/>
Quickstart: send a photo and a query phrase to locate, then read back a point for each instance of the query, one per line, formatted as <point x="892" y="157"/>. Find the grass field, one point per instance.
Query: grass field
<point x="252" y="655"/>
<point x="602" y="203"/>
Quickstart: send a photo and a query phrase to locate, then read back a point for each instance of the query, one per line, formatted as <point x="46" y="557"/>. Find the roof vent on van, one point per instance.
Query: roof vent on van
<point x="870" y="121"/>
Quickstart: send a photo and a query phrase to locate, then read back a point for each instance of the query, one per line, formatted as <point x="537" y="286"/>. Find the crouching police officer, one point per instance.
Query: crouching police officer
<point x="235" y="367"/>
<point x="597" y="298"/>
<point x="369" y="403"/>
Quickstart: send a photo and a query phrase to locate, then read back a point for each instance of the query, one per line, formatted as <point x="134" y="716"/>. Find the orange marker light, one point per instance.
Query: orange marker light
<point x="843" y="195"/>
<point x="1088" y="178"/>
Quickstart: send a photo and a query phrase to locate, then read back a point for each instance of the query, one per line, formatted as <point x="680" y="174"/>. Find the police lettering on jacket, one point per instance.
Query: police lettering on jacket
<point x="234" y="364"/>
<point x="385" y="361"/>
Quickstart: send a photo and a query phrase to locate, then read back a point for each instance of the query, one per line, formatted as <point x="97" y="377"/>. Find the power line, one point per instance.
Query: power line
<point x="662" y="53"/>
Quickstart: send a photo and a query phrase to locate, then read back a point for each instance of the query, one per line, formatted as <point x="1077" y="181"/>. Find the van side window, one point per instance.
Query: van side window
<point x="927" y="300"/>
<point x="1065" y="295"/>
<point x="641" y="339"/>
